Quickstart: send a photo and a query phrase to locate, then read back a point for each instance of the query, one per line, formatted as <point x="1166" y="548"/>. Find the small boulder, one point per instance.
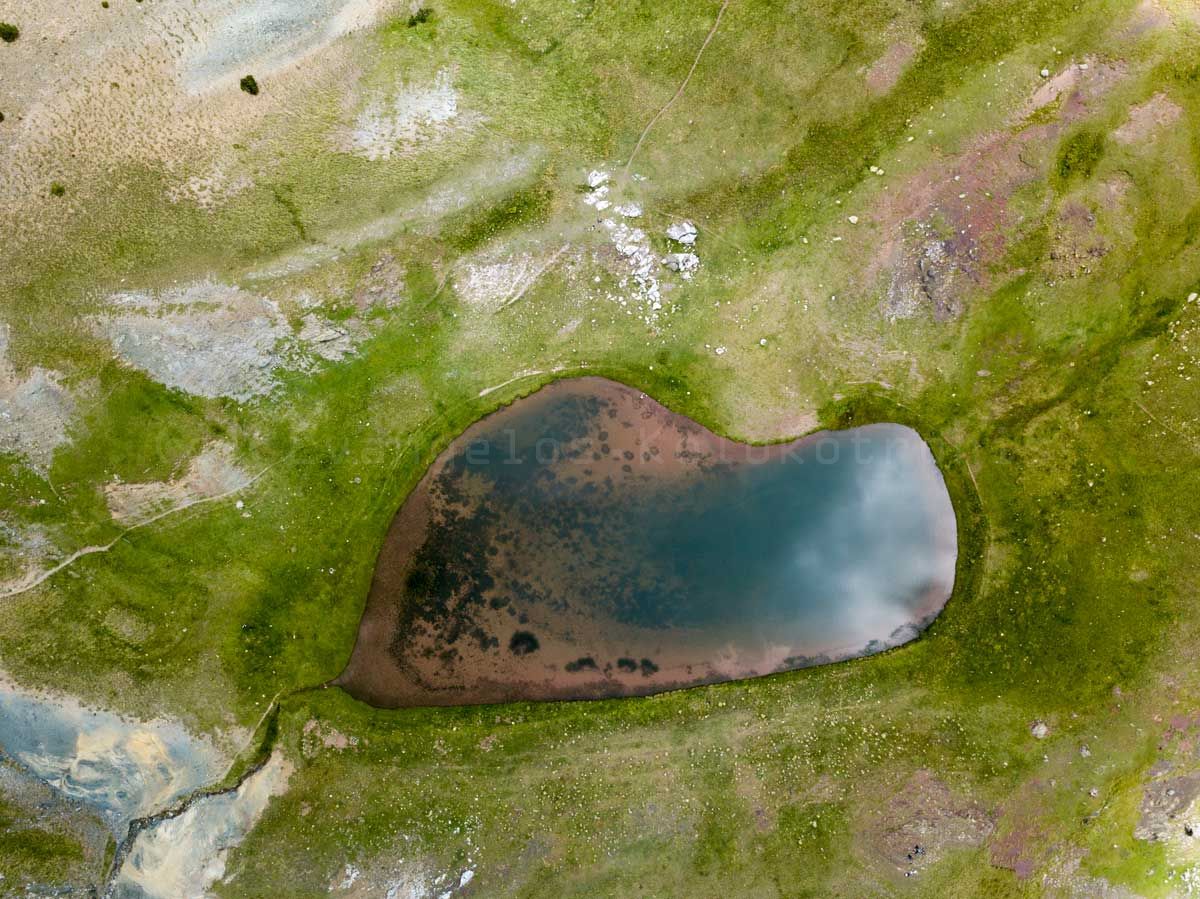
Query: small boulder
<point x="1039" y="730"/>
<point x="684" y="263"/>
<point x="683" y="232"/>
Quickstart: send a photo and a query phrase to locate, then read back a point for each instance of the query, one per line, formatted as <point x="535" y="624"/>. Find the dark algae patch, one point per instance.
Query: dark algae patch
<point x="587" y="542"/>
<point x="523" y="643"/>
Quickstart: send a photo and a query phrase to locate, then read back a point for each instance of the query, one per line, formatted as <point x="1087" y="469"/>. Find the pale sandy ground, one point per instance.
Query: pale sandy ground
<point x="211" y="473"/>
<point x="121" y="767"/>
<point x="86" y="89"/>
<point x="35" y="409"/>
<point x="185" y="855"/>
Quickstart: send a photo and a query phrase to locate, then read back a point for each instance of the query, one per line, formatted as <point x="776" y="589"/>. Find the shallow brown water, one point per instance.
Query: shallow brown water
<point x="587" y="542"/>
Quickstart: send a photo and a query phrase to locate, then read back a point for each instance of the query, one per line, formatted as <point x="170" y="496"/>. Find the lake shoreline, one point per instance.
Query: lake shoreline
<point x="395" y="662"/>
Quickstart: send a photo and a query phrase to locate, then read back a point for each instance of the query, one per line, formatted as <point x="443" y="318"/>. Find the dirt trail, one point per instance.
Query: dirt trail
<point x="36" y="579"/>
<point x="679" y="93"/>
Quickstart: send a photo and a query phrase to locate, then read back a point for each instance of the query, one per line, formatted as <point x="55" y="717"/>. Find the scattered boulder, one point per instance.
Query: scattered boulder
<point x="1040" y="730"/>
<point x="598" y="188"/>
<point x="683" y="232"/>
<point x="684" y="263"/>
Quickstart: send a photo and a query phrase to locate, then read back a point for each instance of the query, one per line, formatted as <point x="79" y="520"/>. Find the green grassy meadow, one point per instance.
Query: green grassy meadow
<point x="1061" y="398"/>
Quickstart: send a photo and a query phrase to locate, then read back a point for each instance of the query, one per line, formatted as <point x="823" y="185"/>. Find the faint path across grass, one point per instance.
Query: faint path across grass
<point x="32" y="580"/>
<point x="679" y="93"/>
<point x="1178" y="433"/>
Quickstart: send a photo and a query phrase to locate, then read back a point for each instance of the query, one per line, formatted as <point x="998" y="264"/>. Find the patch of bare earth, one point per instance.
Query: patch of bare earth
<point x="1146" y="119"/>
<point x="23" y="548"/>
<point x="206" y="339"/>
<point x="1149" y="16"/>
<point x="1075" y="245"/>
<point x="1169" y="812"/>
<point x="218" y="340"/>
<point x="35" y="409"/>
<point x="923" y="820"/>
<point x="211" y="473"/>
<point x="1064" y="880"/>
<point x="1167" y="809"/>
<point x="883" y="74"/>
<point x="945" y="225"/>
<point x="383" y="285"/>
<point x="318" y="736"/>
<point x="493" y="283"/>
<point x="395" y="123"/>
<point x="1021" y="850"/>
<point x="1115" y="190"/>
<point x="1152" y="15"/>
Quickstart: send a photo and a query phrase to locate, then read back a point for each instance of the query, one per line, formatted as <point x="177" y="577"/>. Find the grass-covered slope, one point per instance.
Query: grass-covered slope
<point x="980" y="219"/>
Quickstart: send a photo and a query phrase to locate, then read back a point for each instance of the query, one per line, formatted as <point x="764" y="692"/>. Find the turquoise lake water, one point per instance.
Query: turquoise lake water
<point x="587" y="542"/>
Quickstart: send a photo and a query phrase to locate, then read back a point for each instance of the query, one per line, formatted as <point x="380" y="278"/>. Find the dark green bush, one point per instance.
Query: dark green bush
<point x="57" y="189"/>
<point x="420" y="17"/>
<point x="249" y="85"/>
<point x="1078" y="156"/>
<point x="9" y="33"/>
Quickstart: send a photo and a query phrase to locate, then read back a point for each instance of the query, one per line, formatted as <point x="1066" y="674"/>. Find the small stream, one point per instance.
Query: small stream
<point x="147" y="780"/>
<point x="182" y="852"/>
<point x="119" y="767"/>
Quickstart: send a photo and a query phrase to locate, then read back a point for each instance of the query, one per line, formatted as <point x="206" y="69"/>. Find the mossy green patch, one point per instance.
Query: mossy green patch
<point x="29" y="853"/>
<point x="1078" y="156"/>
<point x="526" y="207"/>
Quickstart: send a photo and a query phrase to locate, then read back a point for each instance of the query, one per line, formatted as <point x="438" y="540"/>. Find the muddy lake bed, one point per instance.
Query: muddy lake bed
<point x="586" y="542"/>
